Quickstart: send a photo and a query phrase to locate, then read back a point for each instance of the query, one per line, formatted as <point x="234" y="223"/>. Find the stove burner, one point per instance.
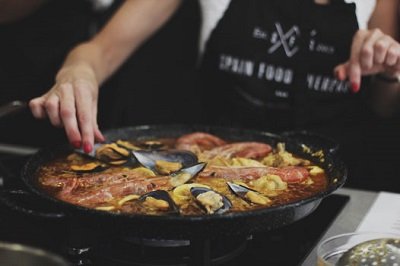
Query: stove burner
<point x="156" y="252"/>
<point x="152" y="242"/>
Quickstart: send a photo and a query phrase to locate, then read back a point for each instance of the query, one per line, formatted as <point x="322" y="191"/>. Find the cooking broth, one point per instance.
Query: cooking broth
<point x="115" y="181"/>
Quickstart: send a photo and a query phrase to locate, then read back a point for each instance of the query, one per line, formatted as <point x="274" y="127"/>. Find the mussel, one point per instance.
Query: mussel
<point x="185" y="174"/>
<point x="159" y="200"/>
<point x="92" y="154"/>
<point x="211" y="201"/>
<point x="107" y="153"/>
<point x="92" y="167"/>
<point x="248" y="194"/>
<point x="181" y="194"/>
<point x="153" y="159"/>
<point x="126" y="145"/>
<point x="151" y="145"/>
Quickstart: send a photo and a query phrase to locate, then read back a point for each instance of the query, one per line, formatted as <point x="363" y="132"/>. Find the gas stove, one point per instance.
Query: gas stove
<point x="80" y="245"/>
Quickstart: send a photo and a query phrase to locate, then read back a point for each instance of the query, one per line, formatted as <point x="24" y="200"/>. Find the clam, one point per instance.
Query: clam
<point x="152" y="159"/>
<point x="248" y="194"/>
<point x="211" y="201"/>
<point x="159" y="200"/>
<point x="185" y="174"/>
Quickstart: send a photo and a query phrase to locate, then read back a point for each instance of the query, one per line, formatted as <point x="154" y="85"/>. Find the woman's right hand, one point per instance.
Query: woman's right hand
<point x="72" y="103"/>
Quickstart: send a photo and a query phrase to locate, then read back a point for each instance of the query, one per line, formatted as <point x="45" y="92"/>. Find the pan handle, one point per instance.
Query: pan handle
<point x="312" y="140"/>
<point x="12" y="108"/>
<point x="29" y="204"/>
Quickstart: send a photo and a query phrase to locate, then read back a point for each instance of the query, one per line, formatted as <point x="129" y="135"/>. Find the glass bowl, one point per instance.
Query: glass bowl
<point x="360" y="248"/>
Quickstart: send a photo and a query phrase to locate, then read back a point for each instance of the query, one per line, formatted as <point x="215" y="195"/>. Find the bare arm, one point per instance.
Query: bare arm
<point x="133" y="24"/>
<point x="385" y="17"/>
<point x="72" y="101"/>
<point x="386" y="95"/>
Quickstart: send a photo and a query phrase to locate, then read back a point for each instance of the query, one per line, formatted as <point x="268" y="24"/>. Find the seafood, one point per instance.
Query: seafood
<point x="185" y="174"/>
<point x="159" y="200"/>
<point x="210" y="200"/>
<point x="282" y="158"/>
<point x="248" y="194"/>
<point x="98" y="195"/>
<point x="198" y="142"/>
<point x="290" y="174"/>
<point x="91" y="167"/>
<point x="195" y="174"/>
<point x="242" y="149"/>
<point x="152" y="159"/>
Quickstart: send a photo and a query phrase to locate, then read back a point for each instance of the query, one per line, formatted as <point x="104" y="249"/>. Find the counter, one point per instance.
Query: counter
<point x="348" y="219"/>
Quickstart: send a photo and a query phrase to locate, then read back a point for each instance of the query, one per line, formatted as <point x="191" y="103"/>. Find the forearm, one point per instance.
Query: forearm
<point x="386" y="18"/>
<point x="130" y="27"/>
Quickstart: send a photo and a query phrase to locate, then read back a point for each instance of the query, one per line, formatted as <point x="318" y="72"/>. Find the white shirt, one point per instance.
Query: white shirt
<point x="213" y="10"/>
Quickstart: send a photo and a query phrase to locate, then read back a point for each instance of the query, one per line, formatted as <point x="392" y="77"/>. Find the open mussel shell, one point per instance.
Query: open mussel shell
<point x="239" y="190"/>
<point x="162" y="201"/>
<point x="151" y="145"/>
<point x="92" y="154"/>
<point x="118" y="156"/>
<point x="248" y="194"/>
<point x="214" y="203"/>
<point x="89" y="168"/>
<point x="149" y="158"/>
<point x="186" y="174"/>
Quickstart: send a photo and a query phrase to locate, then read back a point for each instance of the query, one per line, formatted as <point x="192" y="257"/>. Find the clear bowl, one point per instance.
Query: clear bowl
<point x="360" y="248"/>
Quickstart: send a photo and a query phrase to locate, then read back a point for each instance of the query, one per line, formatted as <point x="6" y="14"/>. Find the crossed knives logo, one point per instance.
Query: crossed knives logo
<point x="286" y="40"/>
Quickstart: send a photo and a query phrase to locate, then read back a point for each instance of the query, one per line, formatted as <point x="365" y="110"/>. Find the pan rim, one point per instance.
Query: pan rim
<point x="70" y="208"/>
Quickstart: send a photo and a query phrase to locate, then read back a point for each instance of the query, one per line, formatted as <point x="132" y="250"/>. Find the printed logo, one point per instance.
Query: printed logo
<point x="287" y="40"/>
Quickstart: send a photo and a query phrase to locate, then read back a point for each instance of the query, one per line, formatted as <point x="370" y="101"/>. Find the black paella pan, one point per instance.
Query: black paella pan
<point x="186" y="227"/>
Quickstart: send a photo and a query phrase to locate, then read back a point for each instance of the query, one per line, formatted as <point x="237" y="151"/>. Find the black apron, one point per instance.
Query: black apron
<point x="269" y="64"/>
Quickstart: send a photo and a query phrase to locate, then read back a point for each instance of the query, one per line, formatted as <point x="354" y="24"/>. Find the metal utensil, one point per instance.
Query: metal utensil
<point x="11" y="108"/>
<point x="17" y="254"/>
<point x="382" y="252"/>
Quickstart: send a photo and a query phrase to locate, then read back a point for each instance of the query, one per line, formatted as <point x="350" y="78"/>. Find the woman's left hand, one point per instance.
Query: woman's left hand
<point x="372" y="52"/>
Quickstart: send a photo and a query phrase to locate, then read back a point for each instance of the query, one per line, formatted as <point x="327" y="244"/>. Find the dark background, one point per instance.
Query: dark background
<point x="154" y="86"/>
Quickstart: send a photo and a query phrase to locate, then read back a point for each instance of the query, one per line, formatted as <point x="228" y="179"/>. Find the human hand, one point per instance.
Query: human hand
<point x="372" y="52"/>
<point x="72" y="103"/>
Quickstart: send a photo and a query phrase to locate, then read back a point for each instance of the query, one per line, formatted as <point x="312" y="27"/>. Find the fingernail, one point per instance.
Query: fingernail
<point x="87" y="147"/>
<point x="76" y="144"/>
<point x="355" y="87"/>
